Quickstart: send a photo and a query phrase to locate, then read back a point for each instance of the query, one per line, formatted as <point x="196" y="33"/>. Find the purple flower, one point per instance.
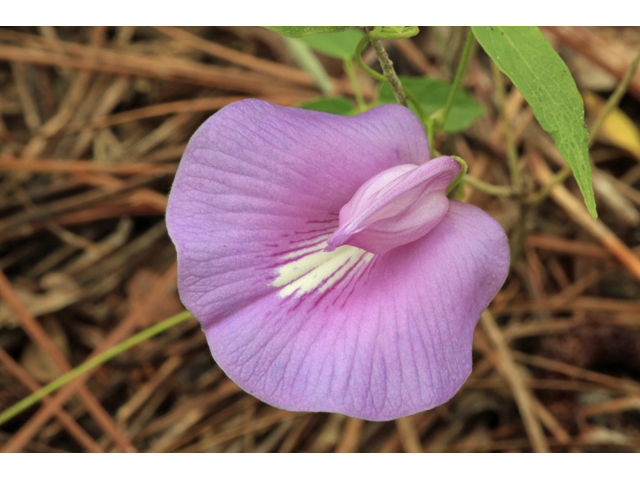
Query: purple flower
<point x="324" y="261"/>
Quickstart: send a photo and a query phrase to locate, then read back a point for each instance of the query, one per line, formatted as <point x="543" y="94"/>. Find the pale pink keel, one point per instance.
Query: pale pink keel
<point x="396" y="207"/>
<point x="328" y="268"/>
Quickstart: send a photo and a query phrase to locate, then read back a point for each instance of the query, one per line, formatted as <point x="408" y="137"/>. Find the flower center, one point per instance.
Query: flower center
<point x="396" y="207"/>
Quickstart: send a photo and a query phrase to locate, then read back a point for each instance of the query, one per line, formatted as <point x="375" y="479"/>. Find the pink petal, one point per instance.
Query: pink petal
<point x="258" y="181"/>
<point x="255" y="199"/>
<point x="373" y="336"/>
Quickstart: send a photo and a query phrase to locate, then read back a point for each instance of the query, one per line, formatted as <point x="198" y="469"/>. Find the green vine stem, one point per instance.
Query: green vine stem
<point x="387" y="69"/>
<point x="421" y="113"/>
<point x="426" y="121"/>
<point x="512" y="153"/>
<point x="520" y="229"/>
<point x="90" y="364"/>
<point x="428" y="126"/>
<point x="460" y="176"/>
<point x="358" y="56"/>
<point x="614" y="100"/>
<point x="488" y="188"/>
<point x="351" y="73"/>
<point x="612" y="104"/>
<point x="440" y="117"/>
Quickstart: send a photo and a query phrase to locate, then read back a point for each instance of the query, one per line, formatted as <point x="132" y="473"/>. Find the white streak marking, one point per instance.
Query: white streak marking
<point x="310" y="271"/>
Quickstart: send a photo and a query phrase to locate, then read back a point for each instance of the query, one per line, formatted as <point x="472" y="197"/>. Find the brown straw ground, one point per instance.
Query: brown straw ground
<point x="93" y="122"/>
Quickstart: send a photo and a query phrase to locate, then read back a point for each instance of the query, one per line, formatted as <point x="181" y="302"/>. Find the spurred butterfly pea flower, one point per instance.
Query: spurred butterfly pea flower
<point x="328" y="268"/>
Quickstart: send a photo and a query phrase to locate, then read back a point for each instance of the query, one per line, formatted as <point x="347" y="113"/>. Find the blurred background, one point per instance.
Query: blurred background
<point x="93" y="122"/>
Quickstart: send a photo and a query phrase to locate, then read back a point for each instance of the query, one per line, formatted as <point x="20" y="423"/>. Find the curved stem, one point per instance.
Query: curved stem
<point x="421" y="113"/>
<point x="489" y="189"/>
<point x="512" y="153"/>
<point x="428" y="126"/>
<point x="441" y="118"/>
<point x="559" y="177"/>
<point x="351" y="73"/>
<point x="461" y="174"/>
<point x="98" y="360"/>
<point x="358" y="55"/>
<point x="614" y="99"/>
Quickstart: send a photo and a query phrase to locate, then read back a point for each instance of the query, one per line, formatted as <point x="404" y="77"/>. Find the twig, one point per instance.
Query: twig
<point x="123" y="330"/>
<point x="236" y="432"/>
<point x="596" y="49"/>
<point x="579" y="304"/>
<point x="166" y="68"/>
<point x="73" y="203"/>
<point x="183" y="106"/>
<point x="239" y="58"/>
<point x="415" y="56"/>
<point x="578" y="212"/>
<point x="568" y="247"/>
<point x="512" y="154"/>
<point x="18" y="164"/>
<point x="93" y="363"/>
<point x="40" y="337"/>
<point x="577" y="372"/>
<point x="521" y="394"/>
<point x="65" y="419"/>
<point x="409" y="436"/>
<point x="350" y="436"/>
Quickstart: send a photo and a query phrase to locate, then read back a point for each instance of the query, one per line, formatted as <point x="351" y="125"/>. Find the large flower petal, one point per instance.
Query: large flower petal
<point x="371" y="336"/>
<point x="259" y="182"/>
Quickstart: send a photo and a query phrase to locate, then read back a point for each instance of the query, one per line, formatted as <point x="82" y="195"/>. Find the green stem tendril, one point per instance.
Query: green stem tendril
<point x="428" y="126"/>
<point x="412" y="98"/>
<point x="488" y="188"/>
<point x="614" y="99"/>
<point x="512" y="153"/>
<point x="90" y="364"/>
<point x="461" y="174"/>
<point x="358" y="56"/>
<point x="351" y="73"/>
<point x="520" y="229"/>
<point x="611" y="105"/>
<point x="440" y="117"/>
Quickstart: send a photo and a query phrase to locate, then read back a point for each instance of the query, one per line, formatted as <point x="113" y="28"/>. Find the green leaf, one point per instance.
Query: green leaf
<point x="337" y="105"/>
<point x="338" y="45"/>
<point x="432" y="95"/>
<point x="298" y="32"/>
<point x="543" y="79"/>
